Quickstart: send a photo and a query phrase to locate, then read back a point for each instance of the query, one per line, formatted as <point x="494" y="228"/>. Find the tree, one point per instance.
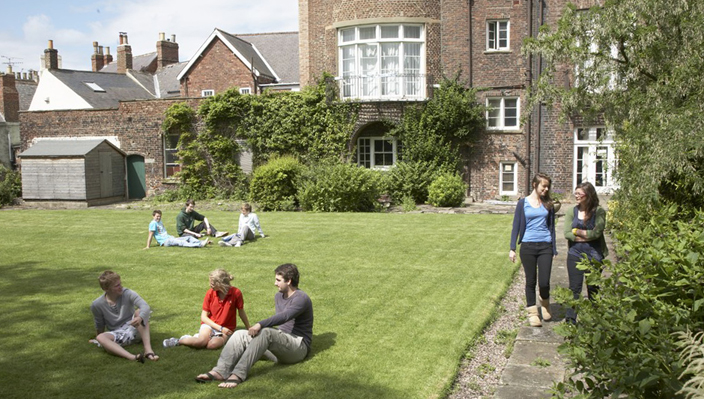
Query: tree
<point x="636" y="63"/>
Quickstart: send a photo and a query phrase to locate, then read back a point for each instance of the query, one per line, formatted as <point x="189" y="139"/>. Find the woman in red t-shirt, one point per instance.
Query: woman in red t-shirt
<point x="218" y="318"/>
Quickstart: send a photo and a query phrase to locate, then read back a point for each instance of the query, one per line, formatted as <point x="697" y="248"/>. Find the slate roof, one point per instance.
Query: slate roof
<point x="280" y="50"/>
<point x="139" y="63"/>
<point x="26" y="91"/>
<point x="167" y="81"/>
<point x="64" y="148"/>
<point x="118" y="87"/>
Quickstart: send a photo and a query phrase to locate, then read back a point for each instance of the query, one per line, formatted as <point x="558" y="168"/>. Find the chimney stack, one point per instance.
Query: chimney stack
<point x="166" y="51"/>
<point x="97" y="60"/>
<point x="51" y="57"/>
<point x="108" y="56"/>
<point x="9" y="96"/>
<point x="124" y="54"/>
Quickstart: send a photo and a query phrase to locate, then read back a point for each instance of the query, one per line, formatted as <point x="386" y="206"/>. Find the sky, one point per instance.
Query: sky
<point x="73" y="25"/>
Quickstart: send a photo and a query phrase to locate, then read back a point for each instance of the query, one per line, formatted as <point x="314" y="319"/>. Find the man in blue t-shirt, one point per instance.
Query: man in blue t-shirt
<point x="158" y="231"/>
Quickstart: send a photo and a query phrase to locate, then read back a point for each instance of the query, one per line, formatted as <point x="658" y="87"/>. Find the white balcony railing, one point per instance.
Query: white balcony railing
<point x="383" y="87"/>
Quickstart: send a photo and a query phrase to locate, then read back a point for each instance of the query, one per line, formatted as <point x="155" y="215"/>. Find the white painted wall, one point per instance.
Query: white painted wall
<point x="53" y="95"/>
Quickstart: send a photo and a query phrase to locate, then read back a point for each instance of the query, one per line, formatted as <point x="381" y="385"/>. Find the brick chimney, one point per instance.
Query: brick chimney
<point x="108" y="56"/>
<point x="124" y="54"/>
<point x="97" y="60"/>
<point x="9" y="96"/>
<point x="166" y="51"/>
<point x="51" y="57"/>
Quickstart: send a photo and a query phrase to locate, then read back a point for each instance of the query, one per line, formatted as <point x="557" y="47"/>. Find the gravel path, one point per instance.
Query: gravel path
<point x="481" y="369"/>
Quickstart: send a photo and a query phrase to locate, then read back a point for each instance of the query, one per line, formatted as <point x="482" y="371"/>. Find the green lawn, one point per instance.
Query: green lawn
<point x="397" y="299"/>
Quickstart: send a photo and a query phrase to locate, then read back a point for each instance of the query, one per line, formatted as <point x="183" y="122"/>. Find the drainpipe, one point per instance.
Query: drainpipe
<point x="470" y="3"/>
<point x="540" y="106"/>
<point x="529" y="172"/>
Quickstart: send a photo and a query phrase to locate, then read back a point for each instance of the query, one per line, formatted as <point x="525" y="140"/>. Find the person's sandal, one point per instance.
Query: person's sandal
<point x="139" y="357"/>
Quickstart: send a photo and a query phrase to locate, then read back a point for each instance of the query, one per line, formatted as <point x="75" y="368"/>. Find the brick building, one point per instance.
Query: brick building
<point x="386" y="54"/>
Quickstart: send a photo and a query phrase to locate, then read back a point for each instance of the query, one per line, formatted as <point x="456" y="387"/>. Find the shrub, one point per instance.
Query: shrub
<point x="273" y="185"/>
<point x="340" y="188"/>
<point x="411" y="179"/>
<point x="447" y="190"/>
<point x="623" y="344"/>
<point x="10" y="185"/>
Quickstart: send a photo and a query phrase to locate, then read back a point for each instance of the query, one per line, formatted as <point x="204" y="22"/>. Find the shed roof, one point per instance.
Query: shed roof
<point x="65" y="148"/>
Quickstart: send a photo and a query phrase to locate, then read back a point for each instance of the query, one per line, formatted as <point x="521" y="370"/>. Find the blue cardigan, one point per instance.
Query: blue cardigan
<point x="519" y="226"/>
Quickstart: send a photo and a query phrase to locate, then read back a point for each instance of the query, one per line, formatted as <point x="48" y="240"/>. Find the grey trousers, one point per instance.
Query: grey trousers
<point x="241" y="351"/>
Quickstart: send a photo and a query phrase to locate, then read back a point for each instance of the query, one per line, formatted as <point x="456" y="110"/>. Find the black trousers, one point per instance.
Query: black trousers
<point x="536" y="258"/>
<point x="576" y="277"/>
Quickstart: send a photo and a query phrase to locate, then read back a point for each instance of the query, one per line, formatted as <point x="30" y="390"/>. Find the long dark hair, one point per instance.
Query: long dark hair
<point x="545" y="199"/>
<point x="592" y="200"/>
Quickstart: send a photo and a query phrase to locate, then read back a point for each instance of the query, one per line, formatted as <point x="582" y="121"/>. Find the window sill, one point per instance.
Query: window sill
<point x="498" y="51"/>
<point x="512" y="131"/>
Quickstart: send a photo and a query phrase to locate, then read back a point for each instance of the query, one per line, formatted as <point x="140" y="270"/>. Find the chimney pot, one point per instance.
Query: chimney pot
<point x="173" y="38"/>
<point x="9" y="69"/>
<point x="162" y="36"/>
<point x="51" y="44"/>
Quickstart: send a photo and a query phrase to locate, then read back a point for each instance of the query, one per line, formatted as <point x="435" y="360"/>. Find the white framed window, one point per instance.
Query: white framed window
<point x="497" y="35"/>
<point x="503" y="113"/>
<point x="172" y="164"/>
<point x="207" y="93"/>
<point x="245" y="90"/>
<point x="508" y="178"/>
<point x="377" y="152"/>
<point x="382" y="61"/>
<point x="595" y="158"/>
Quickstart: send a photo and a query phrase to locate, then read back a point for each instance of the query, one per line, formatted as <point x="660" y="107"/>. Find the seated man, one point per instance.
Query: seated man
<point x="184" y="223"/>
<point x="248" y="223"/>
<point x="158" y="231"/>
<point x="116" y="310"/>
<point x="290" y="343"/>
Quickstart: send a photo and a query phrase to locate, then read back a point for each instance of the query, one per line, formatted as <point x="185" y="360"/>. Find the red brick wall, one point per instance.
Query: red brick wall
<point x="9" y="97"/>
<point x="218" y="69"/>
<point x="137" y="124"/>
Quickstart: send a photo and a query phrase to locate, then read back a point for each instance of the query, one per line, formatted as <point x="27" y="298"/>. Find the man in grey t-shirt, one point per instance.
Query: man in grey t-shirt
<point x="115" y="311"/>
<point x="290" y="343"/>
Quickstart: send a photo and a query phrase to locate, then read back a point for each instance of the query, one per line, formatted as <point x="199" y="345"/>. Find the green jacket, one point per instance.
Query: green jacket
<point x="185" y="220"/>
<point x="596" y="234"/>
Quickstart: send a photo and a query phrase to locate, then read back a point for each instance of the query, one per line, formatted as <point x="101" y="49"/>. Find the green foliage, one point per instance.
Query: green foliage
<point x="635" y="59"/>
<point x="10" y="185"/>
<point x="408" y="204"/>
<point x="433" y="133"/>
<point x="692" y="356"/>
<point x="273" y="185"/>
<point x="623" y="342"/>
<point x="411" y="179"/>
<point x="447" y="189"/>
<point x="336" y="187"/>
<point x="303" y="123"/>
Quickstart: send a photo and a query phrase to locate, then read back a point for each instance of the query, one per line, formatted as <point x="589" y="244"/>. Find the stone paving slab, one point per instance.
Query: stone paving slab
<point x="526" y="352"/>
<point x="545" y="334"/>
<point x="521" y="392"/>
<point x="532" y="376"/>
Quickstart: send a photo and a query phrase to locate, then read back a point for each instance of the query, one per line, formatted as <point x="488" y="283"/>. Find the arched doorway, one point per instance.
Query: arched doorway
<point x="136" y="178"/>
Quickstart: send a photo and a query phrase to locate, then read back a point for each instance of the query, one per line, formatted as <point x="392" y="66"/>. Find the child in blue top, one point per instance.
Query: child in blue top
<point x="158" y="231"/>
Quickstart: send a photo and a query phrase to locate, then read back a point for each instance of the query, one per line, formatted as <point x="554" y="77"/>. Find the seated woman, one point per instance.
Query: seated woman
<point x="218" y="319"/>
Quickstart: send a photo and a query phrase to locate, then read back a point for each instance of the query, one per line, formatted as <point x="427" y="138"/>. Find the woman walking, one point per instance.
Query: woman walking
<point x="584" y="231"/>
<point x="534" y="229"/>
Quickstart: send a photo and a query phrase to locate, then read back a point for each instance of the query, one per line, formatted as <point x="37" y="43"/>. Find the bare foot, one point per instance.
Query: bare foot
<point x="231" y="382"/>
<point x="151" y="356"/>
<point x="209" y="376"/>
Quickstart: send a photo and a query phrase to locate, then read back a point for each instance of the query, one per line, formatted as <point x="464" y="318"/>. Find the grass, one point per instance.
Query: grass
<point x="397" y="300"/>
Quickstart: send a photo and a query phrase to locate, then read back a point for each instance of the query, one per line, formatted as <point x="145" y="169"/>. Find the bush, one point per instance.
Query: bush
<point x="340" y="188"/>
<point x="411" y="179"/>
<point x="273" y="185"/>
<point x="447" y="190"/>
<point x="10" y="186"/>
<point x="623" y="344"/>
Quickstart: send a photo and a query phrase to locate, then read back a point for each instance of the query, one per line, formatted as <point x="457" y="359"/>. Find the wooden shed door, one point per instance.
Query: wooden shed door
<point x="136" y="181"/>
<point x="105" y="175"/>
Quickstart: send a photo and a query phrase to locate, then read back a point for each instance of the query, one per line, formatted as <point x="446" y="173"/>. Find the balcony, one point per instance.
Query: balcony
<point x="411" y="87"/>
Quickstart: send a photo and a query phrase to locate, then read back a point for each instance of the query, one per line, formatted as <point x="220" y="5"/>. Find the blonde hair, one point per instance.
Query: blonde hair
<point x="245" y="206"/>
<point x="221" y="280"/>
<point x="108" y="279"/>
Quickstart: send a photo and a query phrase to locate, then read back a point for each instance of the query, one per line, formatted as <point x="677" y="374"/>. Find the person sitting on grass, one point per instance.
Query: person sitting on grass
<point x="184" y="223"/>
<point x="115" y="310"/>
<point x="218" y="318"/>
<point x="249" y="222"/>
<point x="158" y="231"/>
<point x="290" y="343"/>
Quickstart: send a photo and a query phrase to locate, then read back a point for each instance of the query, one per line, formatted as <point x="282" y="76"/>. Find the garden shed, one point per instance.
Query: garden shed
<point x="82" y="172"/>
